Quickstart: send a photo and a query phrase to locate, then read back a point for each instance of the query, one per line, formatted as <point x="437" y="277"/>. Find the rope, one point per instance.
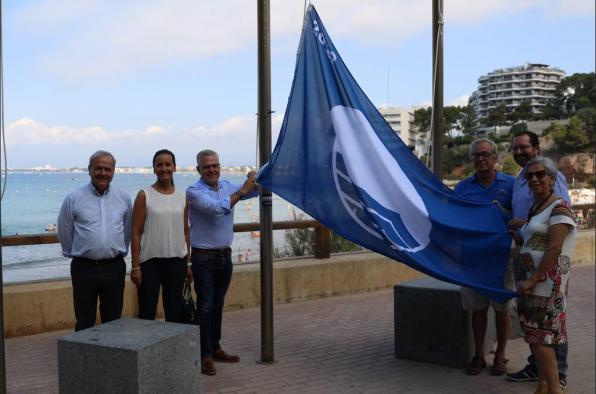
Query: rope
<point x="306" y="4"/>
<point x="5" y="170"/>
<point x="432" y="113"/>
<point x="258" y="144"/>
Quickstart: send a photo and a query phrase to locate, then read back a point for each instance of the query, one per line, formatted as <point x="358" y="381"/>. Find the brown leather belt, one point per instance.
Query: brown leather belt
<point x="213" y="252"/>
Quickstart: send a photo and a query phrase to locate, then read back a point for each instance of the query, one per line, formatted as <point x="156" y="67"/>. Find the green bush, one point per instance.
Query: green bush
<point x="301" y="242"/>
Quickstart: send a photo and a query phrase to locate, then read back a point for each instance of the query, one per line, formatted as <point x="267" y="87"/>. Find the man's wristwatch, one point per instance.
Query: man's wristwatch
<point x="239" y="194"/>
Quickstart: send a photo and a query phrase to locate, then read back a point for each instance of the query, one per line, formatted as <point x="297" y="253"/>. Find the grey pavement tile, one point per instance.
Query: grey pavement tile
<point x="336" y="345"/>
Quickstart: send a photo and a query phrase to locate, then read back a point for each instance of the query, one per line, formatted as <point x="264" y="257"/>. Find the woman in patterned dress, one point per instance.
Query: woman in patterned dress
<point x="543" y="272"/>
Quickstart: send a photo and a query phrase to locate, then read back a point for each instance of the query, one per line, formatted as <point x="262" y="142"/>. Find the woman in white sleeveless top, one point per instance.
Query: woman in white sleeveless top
<point x="159" y="244"/>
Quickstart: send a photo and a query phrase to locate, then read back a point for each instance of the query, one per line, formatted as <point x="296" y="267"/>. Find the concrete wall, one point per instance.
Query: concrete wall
<point x="584" y="247"/>
<point x="32" y="308"/>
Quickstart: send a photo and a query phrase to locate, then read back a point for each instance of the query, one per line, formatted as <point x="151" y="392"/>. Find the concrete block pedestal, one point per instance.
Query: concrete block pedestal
<point x="131" y="356"/>
<point x="430" y="324"/>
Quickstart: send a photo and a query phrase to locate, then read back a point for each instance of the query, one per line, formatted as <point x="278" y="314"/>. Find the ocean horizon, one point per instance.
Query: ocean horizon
<point x="32" y="202"/>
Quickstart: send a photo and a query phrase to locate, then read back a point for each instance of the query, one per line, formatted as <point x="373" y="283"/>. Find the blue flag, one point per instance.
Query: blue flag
<point x="338" y="160"/>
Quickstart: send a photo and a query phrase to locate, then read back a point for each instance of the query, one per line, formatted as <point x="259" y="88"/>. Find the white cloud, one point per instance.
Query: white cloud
<point x="111" y="40"/>
<point x="30" y="132"/>
<point x="423" y="104"/>
<point x="156" y="129"/>
<point x="460" y="101"/>
<point x="49" y="15"/>
<point x="234" y="138"/>
<point x="571" y="8"/>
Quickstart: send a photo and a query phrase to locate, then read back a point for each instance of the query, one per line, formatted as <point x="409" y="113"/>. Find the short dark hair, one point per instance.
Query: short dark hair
<point x="531" y="135"/>
<point x="164" y="152"/>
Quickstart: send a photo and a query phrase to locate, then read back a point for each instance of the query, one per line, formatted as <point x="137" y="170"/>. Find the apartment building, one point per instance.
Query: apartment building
<point x="400" y="120"/>
<point x="510" y="86"/>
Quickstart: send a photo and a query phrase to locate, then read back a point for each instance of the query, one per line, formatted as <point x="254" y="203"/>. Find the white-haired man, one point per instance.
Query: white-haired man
<point x="487" y="184"/>
<point x="94" y="228"/>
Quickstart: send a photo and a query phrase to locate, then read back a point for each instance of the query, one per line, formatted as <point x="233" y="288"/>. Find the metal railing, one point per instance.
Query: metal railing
<point x="322" y="235"/>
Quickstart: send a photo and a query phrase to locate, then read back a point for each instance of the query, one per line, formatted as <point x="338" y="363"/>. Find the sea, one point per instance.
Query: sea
<point x="32" y="201"/>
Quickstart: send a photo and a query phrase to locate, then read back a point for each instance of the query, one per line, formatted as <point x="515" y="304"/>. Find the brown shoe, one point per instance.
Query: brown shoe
<point x="221" y="356"/>
<point x="207" y="366"/>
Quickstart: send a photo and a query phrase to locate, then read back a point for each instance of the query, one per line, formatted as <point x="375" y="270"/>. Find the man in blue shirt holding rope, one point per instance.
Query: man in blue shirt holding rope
<point x="488" y="185"/>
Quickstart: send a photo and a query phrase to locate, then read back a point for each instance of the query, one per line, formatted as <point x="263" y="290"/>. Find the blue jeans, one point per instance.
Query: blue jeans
<point x="212" y="274"/>
<point x="561" y="354"/>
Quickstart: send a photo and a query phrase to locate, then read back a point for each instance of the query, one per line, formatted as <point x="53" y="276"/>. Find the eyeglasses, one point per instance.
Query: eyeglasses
<point x="210" y="166"/>
<point x="538" y="174"/>
<point x="482" y="155"/>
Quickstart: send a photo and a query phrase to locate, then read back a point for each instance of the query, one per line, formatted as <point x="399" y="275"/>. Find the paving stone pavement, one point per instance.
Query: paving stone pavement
<point x="336" y="345"/>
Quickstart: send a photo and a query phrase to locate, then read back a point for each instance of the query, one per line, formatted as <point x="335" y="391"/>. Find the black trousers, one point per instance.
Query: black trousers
<point x="97" y="278"/>
<point x="169" y="274"/>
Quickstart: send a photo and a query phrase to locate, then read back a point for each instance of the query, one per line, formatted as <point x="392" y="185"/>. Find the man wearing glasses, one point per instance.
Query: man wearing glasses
<point x="488" y="185"/>
<point x="525" y="145"/>
<point x="211" y="215"/>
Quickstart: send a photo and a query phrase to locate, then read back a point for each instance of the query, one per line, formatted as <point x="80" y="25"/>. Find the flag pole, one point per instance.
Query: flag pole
<point x="266" y="219"/>
<point x="2" y="351"/>
<point x="437" y="121"/>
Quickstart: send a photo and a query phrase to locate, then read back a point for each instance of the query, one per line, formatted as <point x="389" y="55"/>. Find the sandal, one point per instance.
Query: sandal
<point x="541" y="390"/>
<point x="475" y="366"/>
<point x="499" y="367"/>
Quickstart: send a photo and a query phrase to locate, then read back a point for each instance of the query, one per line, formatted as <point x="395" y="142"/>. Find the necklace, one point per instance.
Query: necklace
<point x="535" y="208"/>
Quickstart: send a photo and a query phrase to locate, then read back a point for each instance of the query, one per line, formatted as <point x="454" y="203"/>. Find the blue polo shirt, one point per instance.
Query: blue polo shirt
<point x="500" y="190"/>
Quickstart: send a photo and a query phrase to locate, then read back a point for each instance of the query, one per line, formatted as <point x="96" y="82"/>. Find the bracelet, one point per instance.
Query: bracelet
<point x="135" y="268"/>
<point x="189" y="264"/>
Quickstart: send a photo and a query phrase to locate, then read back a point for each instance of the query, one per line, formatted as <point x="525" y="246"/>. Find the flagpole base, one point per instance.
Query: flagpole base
<point x="266" y="362"/>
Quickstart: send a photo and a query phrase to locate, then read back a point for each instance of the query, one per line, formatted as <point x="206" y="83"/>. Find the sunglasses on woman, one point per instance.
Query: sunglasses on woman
<point x="538" y="174"/>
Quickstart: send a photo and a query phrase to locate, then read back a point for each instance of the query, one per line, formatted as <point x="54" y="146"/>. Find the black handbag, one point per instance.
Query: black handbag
<point x="190" y="314"/>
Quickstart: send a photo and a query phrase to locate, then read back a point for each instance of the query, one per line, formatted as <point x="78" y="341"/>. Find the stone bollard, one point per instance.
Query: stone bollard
<point x="131" y="356"/>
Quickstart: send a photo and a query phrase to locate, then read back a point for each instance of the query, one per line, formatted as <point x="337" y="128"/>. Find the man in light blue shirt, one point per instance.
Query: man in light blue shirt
<point x="488" y="185"/>
<point x="211" y="214"/>
<point x="525" y="145"/>
<point x="94" y="228"/>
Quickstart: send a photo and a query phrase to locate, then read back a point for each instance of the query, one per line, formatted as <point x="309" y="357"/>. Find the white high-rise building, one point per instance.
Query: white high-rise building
<point x="510" y="86"/>
<point x="400" y="120"/>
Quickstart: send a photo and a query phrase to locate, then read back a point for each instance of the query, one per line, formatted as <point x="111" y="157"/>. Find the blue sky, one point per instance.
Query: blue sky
<point x="134" y="76"/>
